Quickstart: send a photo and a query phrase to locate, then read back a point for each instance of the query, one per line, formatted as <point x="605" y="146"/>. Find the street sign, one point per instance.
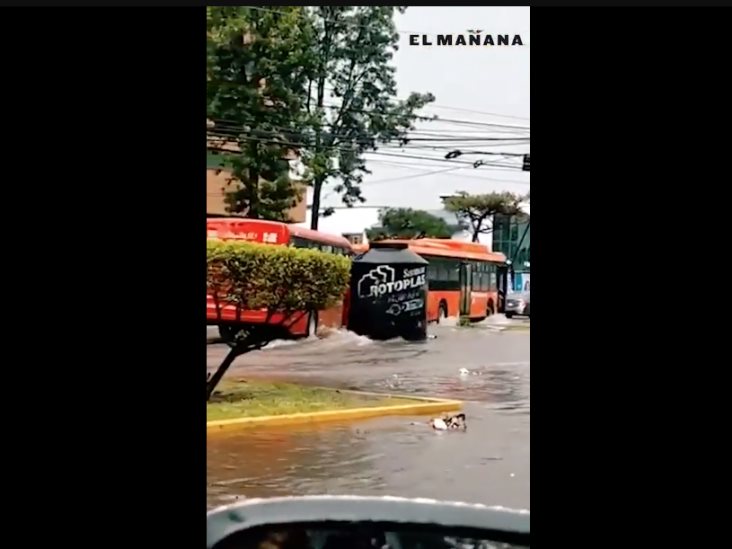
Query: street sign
<point x="526" y="163"/>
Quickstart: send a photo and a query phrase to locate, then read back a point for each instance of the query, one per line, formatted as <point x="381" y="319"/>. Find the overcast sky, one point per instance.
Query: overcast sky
<point x="480" y="85"/>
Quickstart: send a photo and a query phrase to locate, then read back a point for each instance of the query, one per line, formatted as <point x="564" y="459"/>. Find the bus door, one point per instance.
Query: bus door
<point x="502" y="287"/>
<point x="466" y="277"/>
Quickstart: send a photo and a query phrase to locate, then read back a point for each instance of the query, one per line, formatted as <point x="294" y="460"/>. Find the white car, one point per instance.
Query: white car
<point x="518" y="304"/>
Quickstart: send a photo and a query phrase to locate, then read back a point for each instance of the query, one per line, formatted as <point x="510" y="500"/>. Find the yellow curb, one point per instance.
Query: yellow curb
<point x="423" y="405"/>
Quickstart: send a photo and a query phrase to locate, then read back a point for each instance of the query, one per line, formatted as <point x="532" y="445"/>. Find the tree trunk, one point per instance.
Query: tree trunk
<point x="214" y="380"/>
<point x="318" y="184"/>
<point x="315" y="212"/>
<point x="253" y="192"/>
<point x="477" y="226"/>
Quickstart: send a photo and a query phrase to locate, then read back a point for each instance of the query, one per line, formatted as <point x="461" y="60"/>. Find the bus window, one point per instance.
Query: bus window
<point x="484" y="283"/>
<point x="297" y="242"/>
<point x="453" y="271"/>
<point x="476" y="268"/>
<point x="431" y="272"/>
<point x="492" y="286"/>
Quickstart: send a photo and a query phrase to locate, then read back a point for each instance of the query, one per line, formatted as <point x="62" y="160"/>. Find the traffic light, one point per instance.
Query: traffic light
<point x="526" y="163"/>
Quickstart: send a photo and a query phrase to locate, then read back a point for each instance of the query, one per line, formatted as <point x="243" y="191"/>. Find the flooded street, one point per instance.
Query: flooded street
<point x="397" y="456"/>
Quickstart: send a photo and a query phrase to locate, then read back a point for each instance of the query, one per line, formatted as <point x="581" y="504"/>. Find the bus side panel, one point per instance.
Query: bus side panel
<point x="346" y="308"/>
<point x="478" y="305"/>
<point x="297" y="324"/>
<point x="228" y="314"/>
<point x="451" y="299"/>
<point x="433" y="304"/>
<point x="331" y="317"/>
<point x="493" y="301"/>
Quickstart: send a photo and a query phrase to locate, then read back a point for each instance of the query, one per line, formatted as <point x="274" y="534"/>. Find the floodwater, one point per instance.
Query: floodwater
<point x="489" y="463"/>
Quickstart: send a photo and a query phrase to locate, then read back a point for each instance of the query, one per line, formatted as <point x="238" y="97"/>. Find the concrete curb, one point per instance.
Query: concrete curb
<point x="422" y="405"/>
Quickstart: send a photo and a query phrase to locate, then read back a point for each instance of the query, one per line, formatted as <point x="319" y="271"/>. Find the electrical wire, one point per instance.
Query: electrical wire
<point x="294" y="144"/>
<point x="368" y="184"/>
<point x="420" y="167"/>
<point x="252" y="134"/>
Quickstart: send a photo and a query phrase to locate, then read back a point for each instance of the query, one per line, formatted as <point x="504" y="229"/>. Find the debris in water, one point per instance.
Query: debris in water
<point x="446" y="422"/>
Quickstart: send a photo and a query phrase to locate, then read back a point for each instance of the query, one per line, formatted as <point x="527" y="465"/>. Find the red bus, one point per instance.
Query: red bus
<point x="463" y="277"/>
<point x="277" y="234"/>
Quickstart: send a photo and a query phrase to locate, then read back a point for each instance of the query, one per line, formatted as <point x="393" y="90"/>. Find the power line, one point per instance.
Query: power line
<point x="447" y="107"/>
<point x="453" y="121"/>
<point x="437" y="159"/>
<point x="436" y="133"/>
<point x="489" y="127"/>
<point x="478" y="112"/>
<point x="402" y="147"/>
<point x="391" y="179"/>
<point x="225" y="133"/>
<point x="294" y="144"/>
<point x="425" y="118"/>
<point x="420" y="167"/>
<point x="489" y="164"/>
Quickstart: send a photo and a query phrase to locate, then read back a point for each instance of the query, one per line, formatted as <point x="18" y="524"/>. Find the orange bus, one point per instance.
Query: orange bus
<point x="462" y="277"/>
<point x="299" y="324"/>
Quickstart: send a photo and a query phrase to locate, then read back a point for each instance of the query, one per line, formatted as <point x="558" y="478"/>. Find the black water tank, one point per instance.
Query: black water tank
<point x="389" y="293"/>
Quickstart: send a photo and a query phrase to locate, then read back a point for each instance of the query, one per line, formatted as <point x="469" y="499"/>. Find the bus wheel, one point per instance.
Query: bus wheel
<point x="312" y="324"/>
<point x="442" y="312"/>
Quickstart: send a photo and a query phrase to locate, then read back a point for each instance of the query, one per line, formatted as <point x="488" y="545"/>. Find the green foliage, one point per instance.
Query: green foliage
<point x="255" y="398"/>
<point x="409" y="223"/>
<point x="256" y="82"/>
<point x="316" y="79"/>
<point x="351" y="102"/>
<point x="279" y="278"/>
<point x="476" y="210"/>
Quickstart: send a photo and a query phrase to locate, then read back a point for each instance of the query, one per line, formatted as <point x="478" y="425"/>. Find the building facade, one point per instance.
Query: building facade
<point x="355" y="238"/>
<point x="218" y="184"/>
<point x="512" y="237"/>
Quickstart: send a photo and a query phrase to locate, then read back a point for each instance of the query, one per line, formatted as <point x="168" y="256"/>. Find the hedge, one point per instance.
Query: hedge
<point x="258" y="276"/>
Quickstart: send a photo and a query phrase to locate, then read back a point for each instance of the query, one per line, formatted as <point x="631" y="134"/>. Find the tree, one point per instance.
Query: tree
<point x="288" y="282"/>
<point x="353" y="49"/>
<point x="409" y="223"/>
<point x="476" y="210"/>
<point x="257" y="74"/>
